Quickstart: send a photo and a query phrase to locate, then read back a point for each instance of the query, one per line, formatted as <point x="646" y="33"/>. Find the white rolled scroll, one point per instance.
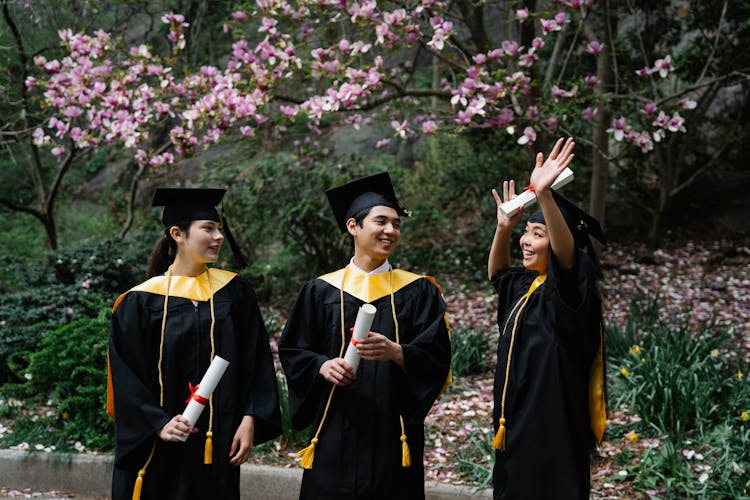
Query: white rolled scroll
<point x="528" y="197"/>
<point x="362" y="325"/>
<point x="201" y="393"/>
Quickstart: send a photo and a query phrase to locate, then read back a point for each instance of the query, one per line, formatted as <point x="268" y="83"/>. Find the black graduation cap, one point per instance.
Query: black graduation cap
<point x="581" y="224"/>
<point x="366" y="192"/>
<point x="189" y="204"/>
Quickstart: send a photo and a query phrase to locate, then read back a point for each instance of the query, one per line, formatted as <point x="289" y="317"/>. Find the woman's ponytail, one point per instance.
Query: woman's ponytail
<point x="165" y="250"/>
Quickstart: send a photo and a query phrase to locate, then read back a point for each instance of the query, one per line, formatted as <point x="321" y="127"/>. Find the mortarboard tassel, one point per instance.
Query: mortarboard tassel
<point x="208" y="451"/>
<point x="138" y="485"/>
<point x="307" y="455"/>
<point x="499" y="441"/>
<point x="239" y="259"/>
<point x="405" y="453"/>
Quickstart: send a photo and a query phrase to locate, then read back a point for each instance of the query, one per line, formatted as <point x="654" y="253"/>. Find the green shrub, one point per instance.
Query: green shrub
<point x="672" y="378"/>
<point x="68" y="371"/>
<point x="471" y="351"/>
<point x="56" y="288"/>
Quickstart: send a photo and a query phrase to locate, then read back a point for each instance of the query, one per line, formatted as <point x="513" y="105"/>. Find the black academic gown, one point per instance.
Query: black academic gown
<point x="359" y="450"/>
<point x="248" y="387"/>
<point x="548" y="438"/>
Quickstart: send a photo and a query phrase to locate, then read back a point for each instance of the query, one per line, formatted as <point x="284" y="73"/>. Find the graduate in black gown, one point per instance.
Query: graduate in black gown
<point x="548" y="392"/>
<point x="368" y="426"/>
<point x="164" y="334"/>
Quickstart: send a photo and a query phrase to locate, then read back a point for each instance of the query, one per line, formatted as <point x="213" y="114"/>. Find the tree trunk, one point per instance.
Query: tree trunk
<point x="600" y="139"/>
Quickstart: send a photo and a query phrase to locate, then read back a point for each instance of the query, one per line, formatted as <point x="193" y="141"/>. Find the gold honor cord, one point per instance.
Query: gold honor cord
<point x="208" y="449"/>
<point x="499" y="440"/>
<point x="307" y="455"/>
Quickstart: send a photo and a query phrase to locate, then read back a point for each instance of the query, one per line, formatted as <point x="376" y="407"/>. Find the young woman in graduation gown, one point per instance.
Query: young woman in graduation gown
<point x="164" y="334"/>
<point x="548" y="390"/>
<point x="368" y="431"/>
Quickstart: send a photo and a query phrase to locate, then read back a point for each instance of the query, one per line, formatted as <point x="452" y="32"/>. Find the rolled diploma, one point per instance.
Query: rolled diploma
<point x="528" y="197"/>
<point x="362" y="325"/>
<point x="206" y="387"/>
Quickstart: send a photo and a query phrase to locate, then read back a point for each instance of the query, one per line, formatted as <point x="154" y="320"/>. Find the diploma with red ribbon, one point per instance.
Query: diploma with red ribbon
<point x="201" y="393"/>
<point x="362" y="325"/>
<point x="528" y="197"/>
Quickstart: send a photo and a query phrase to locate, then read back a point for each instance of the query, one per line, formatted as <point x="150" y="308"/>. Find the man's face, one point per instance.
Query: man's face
<point x="379" y="234"/>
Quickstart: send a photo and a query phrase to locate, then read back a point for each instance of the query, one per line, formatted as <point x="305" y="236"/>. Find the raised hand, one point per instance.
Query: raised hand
<point x="545" y="172"/>
<point x="509" y="192"/>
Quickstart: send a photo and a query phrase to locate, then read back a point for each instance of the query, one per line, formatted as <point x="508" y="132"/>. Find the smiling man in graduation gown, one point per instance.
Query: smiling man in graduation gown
<point x="164" y="334"/>
<point x="368" y="426"/>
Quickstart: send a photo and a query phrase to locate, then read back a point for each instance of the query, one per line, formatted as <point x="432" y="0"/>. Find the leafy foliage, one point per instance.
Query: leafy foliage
<point x="56" y="289"/>
<point x="69" y="367"/>
<point x="471" y="348"/>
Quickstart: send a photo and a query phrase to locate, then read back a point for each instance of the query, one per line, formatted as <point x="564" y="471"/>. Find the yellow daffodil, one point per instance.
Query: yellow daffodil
<point x="715" y="353"/>
<point x="740" y="375"/>
<point x="624" y="372"/>
<point x="745" y="416"/>
<point x="632" y="436"/>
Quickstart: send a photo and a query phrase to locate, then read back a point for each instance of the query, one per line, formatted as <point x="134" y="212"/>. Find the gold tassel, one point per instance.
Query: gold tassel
<point x="307" y="455"/>
<point x="499" y="442"/>
<point x="405" y="454"/>
<point x="138" y="485"/>
<point x="208" y="451"/>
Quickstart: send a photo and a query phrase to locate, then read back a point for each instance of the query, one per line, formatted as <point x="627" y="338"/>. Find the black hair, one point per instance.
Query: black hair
<point x="165" y="250"/>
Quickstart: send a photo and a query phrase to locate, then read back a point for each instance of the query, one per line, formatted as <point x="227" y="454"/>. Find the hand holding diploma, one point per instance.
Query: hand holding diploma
<point x="200" y="394"/>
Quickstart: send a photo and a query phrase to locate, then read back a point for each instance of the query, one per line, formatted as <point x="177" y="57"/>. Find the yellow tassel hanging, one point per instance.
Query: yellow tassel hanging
<point x="307" y="455"/>
<point x="499" y="441"/>
<point x="405" y="453"/>
<point x="138" y="485"/>
<point x="208" y="451"/>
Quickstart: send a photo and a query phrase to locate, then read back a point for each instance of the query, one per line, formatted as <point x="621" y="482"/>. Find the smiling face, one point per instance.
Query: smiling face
<point x="535" y="247"/>
<point x="202" y="243"/>
<point x="376" y="239"/>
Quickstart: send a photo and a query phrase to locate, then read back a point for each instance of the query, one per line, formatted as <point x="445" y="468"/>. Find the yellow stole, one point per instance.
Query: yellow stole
<point x="370" y="287"/>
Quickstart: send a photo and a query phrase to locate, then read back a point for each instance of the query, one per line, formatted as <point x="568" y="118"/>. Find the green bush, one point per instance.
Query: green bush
<point x="55" y="291"/>
<point x="471" y="351"/>
<point x="68" y="373"/>
<point x="672" y="378"/>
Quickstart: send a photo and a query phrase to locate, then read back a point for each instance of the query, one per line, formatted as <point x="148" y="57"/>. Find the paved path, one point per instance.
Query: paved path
<point x="50" y="476"/>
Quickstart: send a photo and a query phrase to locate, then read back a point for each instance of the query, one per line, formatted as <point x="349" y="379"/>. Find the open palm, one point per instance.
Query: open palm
<point x="545" y="172"/>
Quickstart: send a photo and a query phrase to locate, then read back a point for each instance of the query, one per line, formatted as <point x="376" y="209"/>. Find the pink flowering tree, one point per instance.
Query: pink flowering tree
<point x="530" y="70"/>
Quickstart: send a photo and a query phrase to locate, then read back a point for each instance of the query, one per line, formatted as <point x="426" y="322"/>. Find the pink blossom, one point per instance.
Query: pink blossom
<point x="532" y="112"/>
<point x="463" y="117"/>
<point x="590" y="80"/>
<point x="561" y="17"/>
<point x="686" y="103"/>
<point x="619" y="127"/>
<point x="528" y="137"/>
<point x="594" y="47"/>
<point x="644" y="142"/>
<point x="382" y="143"/>
<point x="537" y="43"/>
<point x="643" y="72"/>
<point x="522" y="14"/>
<point x="551" y="123"/>
<point x="661" y="120"/>
<point x="511" y="48"/>
<point x="676" y="123"/>
<point x="401" y="128"/>
<point x="479" y="59"/>
<point x="429" y="127"/>
<point x="589" y="114"/>
<point x="649" y="109"/>
<point x="58" y="151"/>
<point x="240" y="16"/>
<point x="663" y="66"/>
<point x="30" y="81"/>
<point x="549" y="25"/>
<point x="559" y="93"/>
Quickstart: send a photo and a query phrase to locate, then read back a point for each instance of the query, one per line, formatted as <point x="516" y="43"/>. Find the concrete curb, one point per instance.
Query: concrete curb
<point x="90" y="476"/>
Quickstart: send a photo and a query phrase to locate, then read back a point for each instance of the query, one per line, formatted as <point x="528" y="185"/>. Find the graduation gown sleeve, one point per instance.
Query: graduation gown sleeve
<point x="139" y="413"/>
